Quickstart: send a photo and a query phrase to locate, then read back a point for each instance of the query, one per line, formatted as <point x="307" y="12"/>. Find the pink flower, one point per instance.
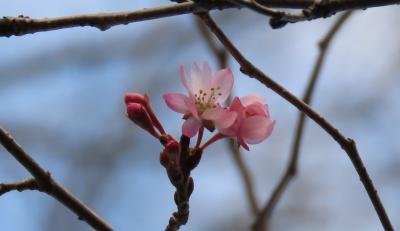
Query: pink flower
<point x="253" y="123"/>
<point x="202" y="106"/>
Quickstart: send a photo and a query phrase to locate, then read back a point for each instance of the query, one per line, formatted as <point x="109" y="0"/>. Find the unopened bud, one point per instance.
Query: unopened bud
<point x="135" y="98"/>
<point x="164" y="158"/>
<point x="138" y="114"/>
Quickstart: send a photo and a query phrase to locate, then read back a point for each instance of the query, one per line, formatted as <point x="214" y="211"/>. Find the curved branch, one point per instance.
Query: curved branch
<point x="347" y="144"/>
<point x="291" y="170"/>
<point x="23" y="25"/>
<point x="48" y="185"/>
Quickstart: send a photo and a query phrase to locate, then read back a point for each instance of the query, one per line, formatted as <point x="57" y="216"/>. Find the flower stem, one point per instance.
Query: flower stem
<point x="199" y="137"/>
<point x="216" y="137"/>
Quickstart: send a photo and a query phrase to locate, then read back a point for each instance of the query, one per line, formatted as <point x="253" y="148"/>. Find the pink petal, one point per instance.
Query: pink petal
<point x="250" y="99"/>
<point x="242" y="143"/>
<point x="224" y="80"/>
<point x="256" y="109"/>
<point x="236" y="105"/>
<point x="190" y="103"/>
<point x="222" y="118"/>
<point x="182" y="76"/>
<point x="191" y="127"/>
<point x="256" y="128"/>
<point x="201" y="79"/>
<point x="177" y="102"/>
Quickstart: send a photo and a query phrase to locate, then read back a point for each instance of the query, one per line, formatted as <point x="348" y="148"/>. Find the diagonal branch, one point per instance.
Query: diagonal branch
<point x="48" y="185"/>
<point x="29" y="184"/>
<point x="23" y="25"/>
<point x="266" y="212"/>
<point x="347" y="144"/>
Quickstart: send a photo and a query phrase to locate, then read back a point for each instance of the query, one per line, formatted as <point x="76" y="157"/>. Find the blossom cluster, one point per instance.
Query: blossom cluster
<point x="246" y="118"/>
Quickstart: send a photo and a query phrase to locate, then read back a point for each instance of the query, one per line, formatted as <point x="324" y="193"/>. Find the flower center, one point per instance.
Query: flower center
<point x="206" y="99"/>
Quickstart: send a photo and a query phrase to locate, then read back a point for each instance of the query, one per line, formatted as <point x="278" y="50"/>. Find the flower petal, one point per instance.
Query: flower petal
<point x="242" y="143"/>
<point x="177" y="102"/>
<point x="256" y="128"/>
<point x="222" y="118"/>
<point x="224" y="81"/>
<point x="201" y="79"/>
<point x="191" y="127"/>
<point x="182" y="76"/>
<point x="251" y="99"/>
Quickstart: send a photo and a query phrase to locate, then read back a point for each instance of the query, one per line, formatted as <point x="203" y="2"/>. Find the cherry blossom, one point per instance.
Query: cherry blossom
<point x="253" y="123"/>
<point x="202" y="107"/>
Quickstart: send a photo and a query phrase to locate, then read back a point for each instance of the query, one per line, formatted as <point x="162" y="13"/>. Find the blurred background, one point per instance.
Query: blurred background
<point x="61" y="97"/>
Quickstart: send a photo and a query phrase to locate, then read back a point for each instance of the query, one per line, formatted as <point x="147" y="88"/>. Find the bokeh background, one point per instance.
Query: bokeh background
<point x="61" y="96"/>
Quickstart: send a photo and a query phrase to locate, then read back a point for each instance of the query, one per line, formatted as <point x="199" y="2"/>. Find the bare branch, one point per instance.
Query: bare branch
<point x="266" y="212"/>
<point x="29" y="184"/>
<point x="23" y="25"/>
<point x="48" y="185"/>
<point x="246" y="177"/>
<point x="347" y="144"/>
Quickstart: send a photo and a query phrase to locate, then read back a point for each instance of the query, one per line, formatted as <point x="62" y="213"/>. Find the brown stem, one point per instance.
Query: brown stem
<point x="48" y="185"/>
<point x="23" y="25"/>
<point x="347" y="144"/>
<point x="266" y="212"/>
<point x="29" y="184"/>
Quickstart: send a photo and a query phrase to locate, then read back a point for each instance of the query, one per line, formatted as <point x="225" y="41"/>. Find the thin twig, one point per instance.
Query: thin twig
<point x="29" y="184"/>
<point x="246" y="177"/>
<point x="266" y="211"/>
<point x="23" y="25"/>
<point x="222" y="57"/>
<point x="48" y="185"/>
<point x="347" y="144"/>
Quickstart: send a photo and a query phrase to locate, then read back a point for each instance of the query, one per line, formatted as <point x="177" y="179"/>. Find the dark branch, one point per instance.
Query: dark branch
<point x="29" y="184"/>
<point x="48" y="185"/>
<point x="266" y="212"/>
<point x="22" y="25"/>
<point x="347" y="144"/>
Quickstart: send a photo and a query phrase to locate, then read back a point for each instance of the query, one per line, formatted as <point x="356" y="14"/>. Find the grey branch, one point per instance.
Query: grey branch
<point x="48" y="185"/>
<point x="311" y="9"/>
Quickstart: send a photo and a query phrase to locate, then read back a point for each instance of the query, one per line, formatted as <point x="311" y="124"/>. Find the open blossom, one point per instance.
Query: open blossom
<point x="202" y="106"/>
<point x="253" y="123"/>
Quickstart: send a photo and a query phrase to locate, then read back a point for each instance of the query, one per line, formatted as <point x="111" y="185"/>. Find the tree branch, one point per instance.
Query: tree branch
<point x="347" y="144"/>
<point x="23" y="25"/>
<point x="291" y="170"/>
<point x="48" y="185"/>
<point x="29" y="184"/>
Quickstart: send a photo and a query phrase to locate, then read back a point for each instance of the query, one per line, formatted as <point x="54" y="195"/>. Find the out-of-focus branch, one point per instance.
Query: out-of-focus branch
<point x="246" y="177"/>
<point x="266" y="212"/>
<point x="29" y="184"/>
<point x="222" y="57"/>
<point x="23" y="25"/>
<point x="48" y="185"/>
<point x="347" y="144"/>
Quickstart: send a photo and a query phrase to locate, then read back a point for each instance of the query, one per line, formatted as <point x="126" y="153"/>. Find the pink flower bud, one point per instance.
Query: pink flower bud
<point x="135" y="98"/>
<point x="139" y="115"/>
<point x="144" y="101"/>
